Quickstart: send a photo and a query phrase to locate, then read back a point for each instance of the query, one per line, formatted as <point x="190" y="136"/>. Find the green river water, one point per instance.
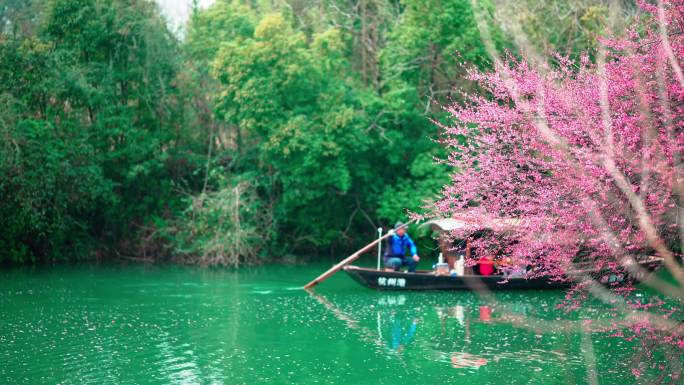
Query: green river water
<point x="185" y="325"/>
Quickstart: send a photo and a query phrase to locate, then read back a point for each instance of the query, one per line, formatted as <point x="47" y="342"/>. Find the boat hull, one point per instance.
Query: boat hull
<point x="393" y="280"/>
<point x="396" y="280"/>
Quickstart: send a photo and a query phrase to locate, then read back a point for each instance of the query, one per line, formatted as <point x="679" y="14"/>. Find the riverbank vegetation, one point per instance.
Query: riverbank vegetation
<point x="261" y="130"/>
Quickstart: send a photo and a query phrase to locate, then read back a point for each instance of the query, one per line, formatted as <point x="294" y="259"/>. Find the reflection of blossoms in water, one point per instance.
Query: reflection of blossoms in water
<point x="462" y="360"/>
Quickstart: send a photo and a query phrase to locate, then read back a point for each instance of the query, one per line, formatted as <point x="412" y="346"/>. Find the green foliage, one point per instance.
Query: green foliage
<point x="88" y="128"/>
<point x="303" y="120"/>
<point x="567" y="27"/>
<point x="48" y="180"/>
<point x="426" y="179"/>
<point x="426" y="47"/>
<point x="224" y="227"/>
<point x="272" y="128"/>
<point x="223" y="22"/>
<point x="265" y="78"/>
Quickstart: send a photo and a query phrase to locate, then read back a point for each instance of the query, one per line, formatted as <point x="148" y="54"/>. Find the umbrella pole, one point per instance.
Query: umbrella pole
<point x="379" y="246"/>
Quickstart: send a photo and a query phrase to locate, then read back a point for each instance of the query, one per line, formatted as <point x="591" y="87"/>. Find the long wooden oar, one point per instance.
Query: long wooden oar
<point x="351" y="258"/>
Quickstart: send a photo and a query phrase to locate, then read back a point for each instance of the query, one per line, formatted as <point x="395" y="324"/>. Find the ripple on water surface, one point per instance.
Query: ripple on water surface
<point x="160" y="325"/>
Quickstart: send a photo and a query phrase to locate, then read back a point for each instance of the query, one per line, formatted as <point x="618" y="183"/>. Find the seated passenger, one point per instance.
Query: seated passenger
<point x="486" y="265"/>
<point x="511" y="269"/>
<point x="398" y="244"/>
<point x="514" y="272"/>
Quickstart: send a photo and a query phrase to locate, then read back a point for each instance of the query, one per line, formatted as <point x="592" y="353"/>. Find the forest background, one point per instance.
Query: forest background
<point x="259" y="131"/>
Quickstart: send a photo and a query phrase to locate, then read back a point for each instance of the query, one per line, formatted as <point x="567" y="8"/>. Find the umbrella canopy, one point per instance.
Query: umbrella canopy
<point x="461" y="223"/>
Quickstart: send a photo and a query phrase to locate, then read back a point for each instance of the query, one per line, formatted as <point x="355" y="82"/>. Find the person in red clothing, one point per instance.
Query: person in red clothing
<point x="486" y="265"/>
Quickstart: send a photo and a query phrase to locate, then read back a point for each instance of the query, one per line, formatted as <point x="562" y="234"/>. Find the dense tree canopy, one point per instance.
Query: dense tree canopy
<point x="266" y="129"/>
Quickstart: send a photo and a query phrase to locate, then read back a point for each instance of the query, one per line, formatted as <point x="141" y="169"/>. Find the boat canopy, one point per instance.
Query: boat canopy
<point x="446" y="224"/>
<point x="454" y="224"/>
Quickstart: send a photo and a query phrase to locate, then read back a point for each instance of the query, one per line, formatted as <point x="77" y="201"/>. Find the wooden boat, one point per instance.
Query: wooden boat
<point x="427" y="280"/>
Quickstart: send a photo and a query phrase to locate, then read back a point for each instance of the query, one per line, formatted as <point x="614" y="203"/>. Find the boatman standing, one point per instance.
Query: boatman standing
<point x="398" y="245"/>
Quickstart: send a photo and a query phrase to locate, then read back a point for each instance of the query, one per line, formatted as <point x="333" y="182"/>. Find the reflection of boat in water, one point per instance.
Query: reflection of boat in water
<point x="403" y="329"/>
<point x="457" y="335"/>
<point x="509" y="337"/>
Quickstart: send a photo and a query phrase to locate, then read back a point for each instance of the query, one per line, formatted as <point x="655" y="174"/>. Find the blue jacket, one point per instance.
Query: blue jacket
<point x="397" y="246"/>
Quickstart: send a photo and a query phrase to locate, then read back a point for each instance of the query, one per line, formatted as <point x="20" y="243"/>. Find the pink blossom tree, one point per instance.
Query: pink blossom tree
<point x="587" y="157"/>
